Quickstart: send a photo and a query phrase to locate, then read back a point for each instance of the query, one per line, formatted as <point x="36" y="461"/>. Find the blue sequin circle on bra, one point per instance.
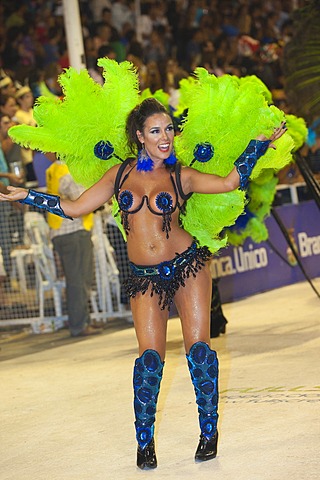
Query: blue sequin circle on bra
<point x="125" y="200"/>
<point x="164" y="201"/>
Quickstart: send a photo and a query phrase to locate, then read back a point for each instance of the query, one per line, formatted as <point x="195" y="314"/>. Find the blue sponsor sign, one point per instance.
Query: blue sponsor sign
<point x="255" y="268"/>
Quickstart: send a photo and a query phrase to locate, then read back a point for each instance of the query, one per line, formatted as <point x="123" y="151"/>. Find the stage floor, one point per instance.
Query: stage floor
<point x="66" y="404"/>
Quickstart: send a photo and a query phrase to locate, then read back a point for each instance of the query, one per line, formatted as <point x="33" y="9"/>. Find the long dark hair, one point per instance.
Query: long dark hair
<point x="137" y="118"/>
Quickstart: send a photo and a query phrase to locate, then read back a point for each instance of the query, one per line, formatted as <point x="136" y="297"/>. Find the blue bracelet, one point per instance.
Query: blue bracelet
<point x="247" y="160"/>
<point x="48" y="202"/>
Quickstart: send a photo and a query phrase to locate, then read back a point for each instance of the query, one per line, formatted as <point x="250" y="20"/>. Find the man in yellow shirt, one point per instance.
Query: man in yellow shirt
<point x="72" y="241"/>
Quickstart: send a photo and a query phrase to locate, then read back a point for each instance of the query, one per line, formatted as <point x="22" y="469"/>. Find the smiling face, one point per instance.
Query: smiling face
<point x="157" y="136"/>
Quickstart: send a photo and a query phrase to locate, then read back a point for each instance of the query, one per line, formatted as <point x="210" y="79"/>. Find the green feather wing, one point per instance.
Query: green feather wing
<point x="226" y="112"/>
<point x="87" y="114"/>
<point x="262" y="190"/>
<point x="297" y="130"/>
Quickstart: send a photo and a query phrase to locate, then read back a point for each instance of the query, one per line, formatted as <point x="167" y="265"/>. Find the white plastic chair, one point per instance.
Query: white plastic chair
<point x="106" y="270"/>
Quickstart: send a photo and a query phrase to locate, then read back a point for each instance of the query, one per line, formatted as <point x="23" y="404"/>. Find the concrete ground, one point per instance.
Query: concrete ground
<point x="66" y="404"/>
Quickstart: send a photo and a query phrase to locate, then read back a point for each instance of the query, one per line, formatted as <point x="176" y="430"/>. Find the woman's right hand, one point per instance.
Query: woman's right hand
<point x="15" y="194"/>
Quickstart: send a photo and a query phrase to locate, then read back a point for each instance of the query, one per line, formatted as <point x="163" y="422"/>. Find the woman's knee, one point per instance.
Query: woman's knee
<point x="150" y="326"/>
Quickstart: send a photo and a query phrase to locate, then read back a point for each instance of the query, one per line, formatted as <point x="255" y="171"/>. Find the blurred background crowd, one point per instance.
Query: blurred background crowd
<point x="166" y="41"/>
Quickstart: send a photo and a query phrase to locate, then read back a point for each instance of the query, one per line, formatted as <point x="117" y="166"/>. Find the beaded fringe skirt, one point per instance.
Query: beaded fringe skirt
<point x="166" y="277"/>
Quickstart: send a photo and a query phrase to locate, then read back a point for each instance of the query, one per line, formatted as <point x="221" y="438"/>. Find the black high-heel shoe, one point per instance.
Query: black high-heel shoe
<point x="218" y="321"/>
<point x="207" y="449"/>
<point x="217" y="326"/>
<point x="146" y="457"/>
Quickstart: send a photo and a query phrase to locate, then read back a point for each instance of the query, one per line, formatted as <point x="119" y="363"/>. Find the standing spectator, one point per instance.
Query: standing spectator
<point x="72" y="242"/>
<point x="102" y="37"/>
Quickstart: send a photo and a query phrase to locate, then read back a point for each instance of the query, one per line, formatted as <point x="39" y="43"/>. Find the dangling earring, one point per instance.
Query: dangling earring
<point x="144" y="164"/>
<point x="172" y="159"/>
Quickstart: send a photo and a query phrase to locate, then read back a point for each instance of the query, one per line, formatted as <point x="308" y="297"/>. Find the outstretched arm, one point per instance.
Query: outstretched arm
<point x="89" y="201"/>
<point x="195" y="181"/>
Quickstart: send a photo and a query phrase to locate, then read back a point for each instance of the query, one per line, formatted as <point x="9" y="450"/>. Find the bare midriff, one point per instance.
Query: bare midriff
<point x="147" y="243"/>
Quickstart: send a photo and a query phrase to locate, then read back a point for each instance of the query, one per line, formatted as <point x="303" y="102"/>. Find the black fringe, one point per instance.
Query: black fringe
<point x="166" y="289"/>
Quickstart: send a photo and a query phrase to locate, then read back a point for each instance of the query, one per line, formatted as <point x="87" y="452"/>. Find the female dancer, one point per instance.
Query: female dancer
<point x="167" y="265"/>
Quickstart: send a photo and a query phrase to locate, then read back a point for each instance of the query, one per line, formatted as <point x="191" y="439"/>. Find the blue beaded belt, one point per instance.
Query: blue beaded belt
<point x="165" y="270"/>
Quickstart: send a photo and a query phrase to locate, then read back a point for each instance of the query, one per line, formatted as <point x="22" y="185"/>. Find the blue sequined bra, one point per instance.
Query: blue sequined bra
<point x="164" y="201"/>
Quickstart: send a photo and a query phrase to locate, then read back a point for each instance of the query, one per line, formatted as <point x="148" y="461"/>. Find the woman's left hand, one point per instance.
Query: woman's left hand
<point x="277" y="133"/>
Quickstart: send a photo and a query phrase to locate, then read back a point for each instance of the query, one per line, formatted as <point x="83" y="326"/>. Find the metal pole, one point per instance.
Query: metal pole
<point x="292" y="247"/>
<point x="137" y="13"/>
<point x="72" y="23"/>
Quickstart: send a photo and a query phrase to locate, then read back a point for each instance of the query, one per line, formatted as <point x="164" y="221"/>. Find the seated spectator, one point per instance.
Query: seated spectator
<point x="8" y="106"/>
<point x="135" y="56"/>
<point x="7" y="86"/>
<point x="12" y="166"/>
<point x="25" y="100"/>
<point x="153" y="79"/>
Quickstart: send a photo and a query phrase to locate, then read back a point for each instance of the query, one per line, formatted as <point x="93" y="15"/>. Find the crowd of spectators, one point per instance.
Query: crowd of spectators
<point x="166" y="41"/>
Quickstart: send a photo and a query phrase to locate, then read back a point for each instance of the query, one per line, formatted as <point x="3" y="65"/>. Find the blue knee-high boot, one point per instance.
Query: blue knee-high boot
<point x="147" y="375"/>
<point x="204" y="368"/>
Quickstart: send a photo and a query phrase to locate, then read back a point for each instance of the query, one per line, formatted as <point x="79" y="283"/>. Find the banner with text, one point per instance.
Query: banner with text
<point x="254" y="268"/>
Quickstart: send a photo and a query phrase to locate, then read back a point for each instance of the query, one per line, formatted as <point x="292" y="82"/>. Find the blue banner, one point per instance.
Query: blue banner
<point x="255" y="268"/>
